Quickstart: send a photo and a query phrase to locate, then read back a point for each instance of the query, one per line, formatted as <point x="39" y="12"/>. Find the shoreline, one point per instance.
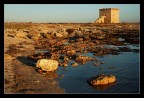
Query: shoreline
<point x="23" y="39"/>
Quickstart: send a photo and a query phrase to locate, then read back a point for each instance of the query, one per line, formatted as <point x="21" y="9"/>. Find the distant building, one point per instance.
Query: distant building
<point x="108" y="15"/>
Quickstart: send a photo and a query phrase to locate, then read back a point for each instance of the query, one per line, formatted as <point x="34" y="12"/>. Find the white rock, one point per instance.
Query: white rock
<point x="47" y="65"/>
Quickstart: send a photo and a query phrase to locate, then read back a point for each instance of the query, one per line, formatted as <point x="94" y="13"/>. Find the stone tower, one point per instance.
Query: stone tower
<point x="108" y="15"/>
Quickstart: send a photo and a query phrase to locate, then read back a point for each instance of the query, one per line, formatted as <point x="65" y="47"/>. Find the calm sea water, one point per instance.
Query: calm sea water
<point x="125" y="66"/>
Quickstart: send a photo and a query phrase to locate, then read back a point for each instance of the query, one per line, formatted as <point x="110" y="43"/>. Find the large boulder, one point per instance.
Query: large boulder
<point x="102" y="79"/>
<point x="47" y="65"/>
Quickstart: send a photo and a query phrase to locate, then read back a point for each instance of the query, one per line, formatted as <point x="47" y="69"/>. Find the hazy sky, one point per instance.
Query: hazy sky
<point x="66" y="12"/>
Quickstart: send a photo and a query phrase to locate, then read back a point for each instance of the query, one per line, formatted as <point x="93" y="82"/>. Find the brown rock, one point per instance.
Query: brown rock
<point x="75" y="64"/>
<point x="103" y="79"/>
<point x="71" y="52"/>
<point x="21" y="35"/>
<point x="65" y="64"/>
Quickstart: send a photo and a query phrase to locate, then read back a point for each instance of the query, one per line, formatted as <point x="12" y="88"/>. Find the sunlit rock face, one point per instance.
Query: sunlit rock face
<point x="47" y="65"/>
<point x="103" y="79"/>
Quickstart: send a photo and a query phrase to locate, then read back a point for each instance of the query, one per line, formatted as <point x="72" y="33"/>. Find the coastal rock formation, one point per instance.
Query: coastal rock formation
<point x="21" y="35"/>
<point x="47" y="65"/>
<point x="71" y="52"/>
<point x="74" y="64"/>
<point x="80" y="58"/>
<point x="102" y="79"/>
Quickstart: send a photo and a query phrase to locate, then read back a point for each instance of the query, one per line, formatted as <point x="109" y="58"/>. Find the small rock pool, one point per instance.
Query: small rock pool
<point x="125" y="66"/>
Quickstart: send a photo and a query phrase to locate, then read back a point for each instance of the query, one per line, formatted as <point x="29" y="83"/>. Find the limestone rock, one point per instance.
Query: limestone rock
<point x="47" y="65"/>
<point x="7" y="57"/>
<point x="75" y="64"/>
<point x="58" y="35"/>
<point x="35" y="37"/>
<point x="83" y="58"/>
<point x="21" y="35"/>
<point x="65" y="34"/>
<point x="71" y="52"/>
<point x="103" y="79"/>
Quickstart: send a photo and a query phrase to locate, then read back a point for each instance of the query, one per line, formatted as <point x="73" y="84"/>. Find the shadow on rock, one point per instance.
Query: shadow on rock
<point x="27" y="60"/>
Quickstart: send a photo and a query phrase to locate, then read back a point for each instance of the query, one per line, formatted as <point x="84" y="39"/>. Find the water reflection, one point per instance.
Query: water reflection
<point x="103" y="87"/>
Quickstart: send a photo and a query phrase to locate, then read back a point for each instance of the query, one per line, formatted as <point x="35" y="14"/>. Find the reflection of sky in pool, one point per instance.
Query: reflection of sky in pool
<point x="124" y="66"/>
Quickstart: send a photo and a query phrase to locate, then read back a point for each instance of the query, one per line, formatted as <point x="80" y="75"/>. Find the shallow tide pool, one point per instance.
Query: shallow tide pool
<point x="125" y="66"/>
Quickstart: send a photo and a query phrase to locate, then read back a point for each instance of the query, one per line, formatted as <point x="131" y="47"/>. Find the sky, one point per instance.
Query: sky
<point x="66" y="13"/>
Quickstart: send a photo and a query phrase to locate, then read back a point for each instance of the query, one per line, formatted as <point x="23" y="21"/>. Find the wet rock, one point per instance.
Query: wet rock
<point x="83" y="58"/>
<point x="102" y="79"/>
<point x="103" y="87"/>
<point x="66" y="58"/>
<point x="97" y="64"/>
<point x="65" y="64"/>
<point x="75" y="64"/>
<point x="102" y="62"/>
<point x="47" y="65"/>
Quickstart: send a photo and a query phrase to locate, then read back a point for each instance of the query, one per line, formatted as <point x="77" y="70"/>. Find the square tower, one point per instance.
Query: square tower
<point x="108" y="15"/>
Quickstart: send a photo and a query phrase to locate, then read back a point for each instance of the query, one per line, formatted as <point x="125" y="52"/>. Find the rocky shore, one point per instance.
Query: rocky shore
<point x="26" y="43"/>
